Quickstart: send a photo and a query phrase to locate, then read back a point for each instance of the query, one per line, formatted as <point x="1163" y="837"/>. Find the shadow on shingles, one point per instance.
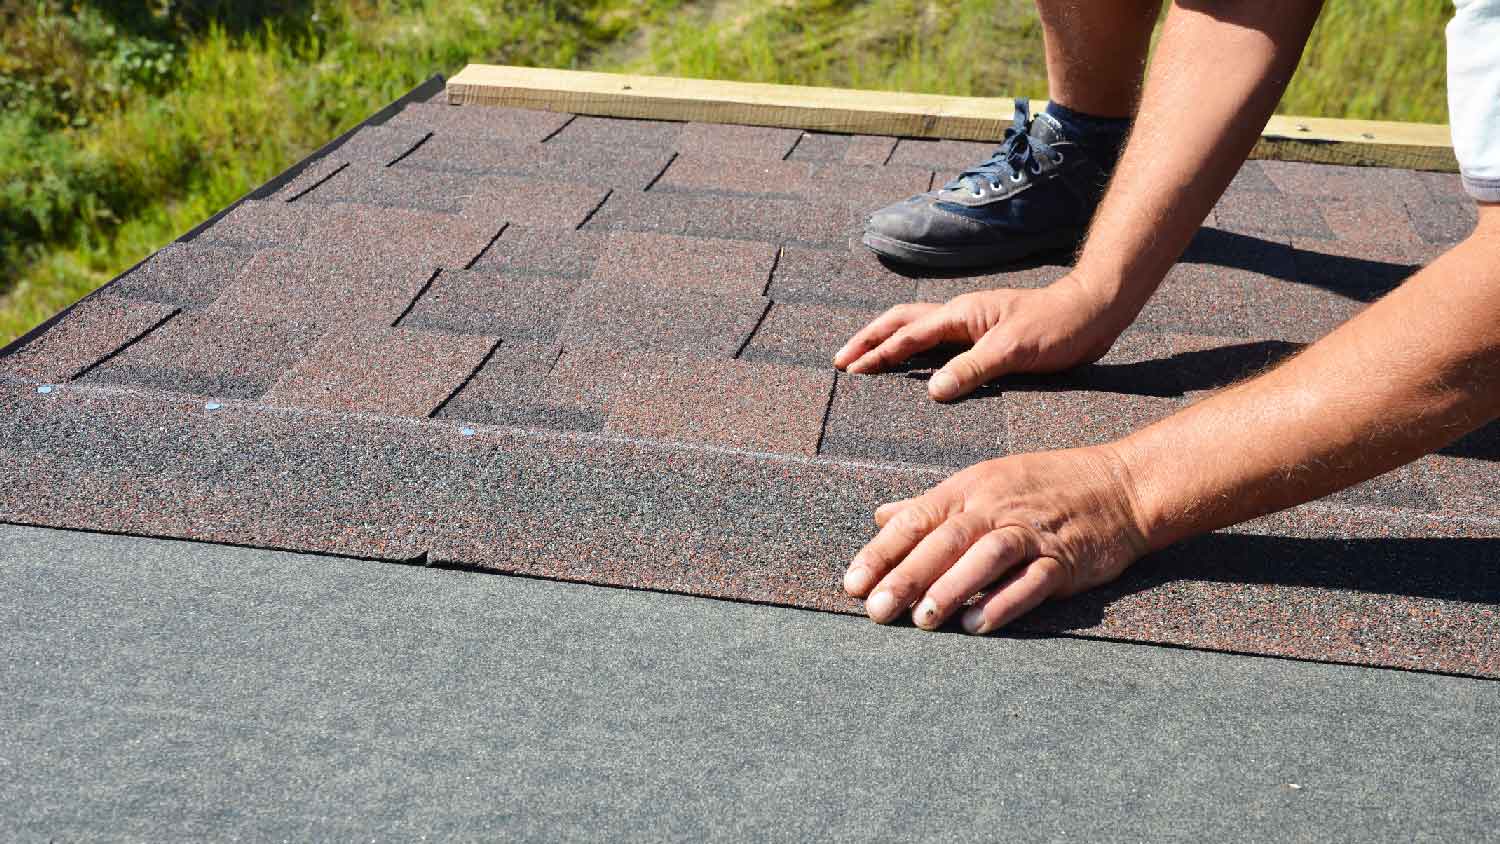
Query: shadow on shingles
<point x="1054" y="258"/>
<point x="1483" y="444"/>
<point x="1465" y="570"/>
<point x="1173" y="377"/>
<point x="1360" y="279"/>
<point x="1170" y="377"/>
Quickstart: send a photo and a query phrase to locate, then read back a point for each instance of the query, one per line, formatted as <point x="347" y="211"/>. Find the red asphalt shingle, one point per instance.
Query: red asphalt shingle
<point x="511" y="124"/>
<point x="94" y="329"/>
<point x="628" y="363"/>
<point x="395" y="371"/>
<point x="704" y="265"/>
<point x="738" y="404"/>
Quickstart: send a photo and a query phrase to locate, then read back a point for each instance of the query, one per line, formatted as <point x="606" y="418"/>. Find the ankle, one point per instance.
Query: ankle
<point x="1102" y="136"/>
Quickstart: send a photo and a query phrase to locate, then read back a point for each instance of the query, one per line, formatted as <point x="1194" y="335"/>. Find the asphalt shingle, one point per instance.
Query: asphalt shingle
<point x="94" y="329"/>
<point x="395" y="371"/>
<point x="737" y="404"/>
<point x="624" y="329"/>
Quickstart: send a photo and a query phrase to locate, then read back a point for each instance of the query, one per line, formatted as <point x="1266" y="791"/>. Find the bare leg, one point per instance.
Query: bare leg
<point x="1096" y="52"/>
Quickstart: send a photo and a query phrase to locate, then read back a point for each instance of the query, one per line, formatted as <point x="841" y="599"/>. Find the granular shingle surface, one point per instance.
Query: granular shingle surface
<point x="805" y="335"/>
<point x="707" y="265"/>
<point x="201" y="354"/>
<point x="395" y="371"/>
<point x="754" y="406"/>
<point x="183" y="274"/>
<point x="513" y="305"/>
<point x="888" y="418"/>
<point x="94" y="329"/>
<point x="598" y="349"/>
<point x="626" y="315"/>
<point x="306" y="289"/>
<point x="846" y="275"/>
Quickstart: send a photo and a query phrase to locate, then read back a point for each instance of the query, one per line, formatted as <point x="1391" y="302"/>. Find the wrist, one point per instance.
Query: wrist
<point x="1122" y="289"/>
<point x="1148" y="512"/>
<point x="1106" y="305"/>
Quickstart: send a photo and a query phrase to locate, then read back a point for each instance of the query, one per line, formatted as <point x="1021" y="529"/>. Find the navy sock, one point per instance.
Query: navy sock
<point x="1101" y="136"/>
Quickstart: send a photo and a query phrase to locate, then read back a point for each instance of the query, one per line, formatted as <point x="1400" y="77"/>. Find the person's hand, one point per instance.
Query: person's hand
<point x="1045" y="330"/>
<point x="1020" y="529"/>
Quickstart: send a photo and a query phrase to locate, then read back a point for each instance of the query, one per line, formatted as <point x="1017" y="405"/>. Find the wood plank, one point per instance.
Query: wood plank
<point x="1413" y="145"/>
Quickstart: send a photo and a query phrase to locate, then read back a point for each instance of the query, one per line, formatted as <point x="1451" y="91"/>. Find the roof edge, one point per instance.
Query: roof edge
<point x="1417" y="146"/>
<point x="429" y="87"/>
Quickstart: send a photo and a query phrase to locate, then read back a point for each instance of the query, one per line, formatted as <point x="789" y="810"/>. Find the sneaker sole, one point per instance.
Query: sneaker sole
<point x="981" y="255"/>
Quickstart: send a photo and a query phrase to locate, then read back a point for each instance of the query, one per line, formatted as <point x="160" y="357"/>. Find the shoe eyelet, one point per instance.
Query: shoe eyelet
<point x="1057" y="159"/>
<point x="1036" y="169"/>
<point x="1016" y="177"/>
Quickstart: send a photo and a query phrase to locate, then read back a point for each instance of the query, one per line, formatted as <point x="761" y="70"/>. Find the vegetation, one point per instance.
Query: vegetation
<point x="122" y="125"/>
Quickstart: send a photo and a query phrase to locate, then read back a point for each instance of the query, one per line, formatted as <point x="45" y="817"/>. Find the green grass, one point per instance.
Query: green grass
<point x="121" y="130"/>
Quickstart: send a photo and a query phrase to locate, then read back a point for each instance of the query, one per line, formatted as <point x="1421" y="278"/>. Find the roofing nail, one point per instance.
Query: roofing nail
<point x="213" y="405"/>
<point x="44" y="389"/>
<point x="466" y="432"/>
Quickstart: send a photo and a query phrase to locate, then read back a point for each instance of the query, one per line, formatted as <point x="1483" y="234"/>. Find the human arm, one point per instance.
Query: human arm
<point x="1219" y="70"/>
<point x="1415" y="370"/>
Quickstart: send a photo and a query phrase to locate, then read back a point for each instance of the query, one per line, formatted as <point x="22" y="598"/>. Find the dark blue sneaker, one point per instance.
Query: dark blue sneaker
<point x="1036" y="193"/>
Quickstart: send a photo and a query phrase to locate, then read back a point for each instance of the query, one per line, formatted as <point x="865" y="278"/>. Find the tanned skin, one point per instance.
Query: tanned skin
<point x="1412" y="372"/>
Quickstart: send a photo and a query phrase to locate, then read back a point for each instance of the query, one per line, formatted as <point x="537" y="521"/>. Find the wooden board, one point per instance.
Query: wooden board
<point x="1413" y="145"/>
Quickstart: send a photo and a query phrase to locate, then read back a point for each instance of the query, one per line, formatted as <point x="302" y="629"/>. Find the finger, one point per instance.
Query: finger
<point x="935" y="554"/>
<point x="884" y="512"/>
<point x="1018" y="595"/>
<point x="986" y="561"/>
<point x="911" y="339"/>
<point x="874" y="334"/>
<point x="993" y="356"/>
<point x="891" y="545"/>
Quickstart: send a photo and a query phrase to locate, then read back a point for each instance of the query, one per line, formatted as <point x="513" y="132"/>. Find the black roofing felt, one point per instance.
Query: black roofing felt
<point x="598" y="350"/>
<point x="160" y="690"/>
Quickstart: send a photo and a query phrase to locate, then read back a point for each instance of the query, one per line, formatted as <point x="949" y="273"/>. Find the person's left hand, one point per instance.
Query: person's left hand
<point x="1021" y="529"/>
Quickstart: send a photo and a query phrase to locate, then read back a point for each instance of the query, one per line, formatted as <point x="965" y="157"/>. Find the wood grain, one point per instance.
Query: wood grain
<point x="1418" y="146"/>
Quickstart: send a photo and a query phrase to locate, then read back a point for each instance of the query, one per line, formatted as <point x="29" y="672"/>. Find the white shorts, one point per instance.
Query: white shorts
<point x="1474" y="95"/>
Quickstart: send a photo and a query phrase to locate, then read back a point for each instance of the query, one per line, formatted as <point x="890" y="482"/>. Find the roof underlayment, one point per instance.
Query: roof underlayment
<point x="596" y="349"/>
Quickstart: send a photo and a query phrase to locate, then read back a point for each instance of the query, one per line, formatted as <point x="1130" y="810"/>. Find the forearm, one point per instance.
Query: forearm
<point x="1413" y="372"/>
<point x="1219" y="71"/>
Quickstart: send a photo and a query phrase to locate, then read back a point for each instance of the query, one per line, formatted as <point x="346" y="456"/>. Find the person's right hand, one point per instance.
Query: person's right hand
<point x="1010" y="331"/>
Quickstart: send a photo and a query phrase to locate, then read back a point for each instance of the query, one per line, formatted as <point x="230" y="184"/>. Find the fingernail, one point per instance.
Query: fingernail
<point x="857" y="580"/>
<point x="973" y="620"/>
<point x="843" y="350"/>
<point x="942" y="385"/>
<point x="881" y="607"/>
<point x="926" y="613"/>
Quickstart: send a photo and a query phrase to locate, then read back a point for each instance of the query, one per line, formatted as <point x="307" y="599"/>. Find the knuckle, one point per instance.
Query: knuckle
<point x="967" y="367"/>
<point x="902" y="340"/>
<point x="955" y="536"/>
<point x="915" y="520"/>
<point x="999" y="544"/>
